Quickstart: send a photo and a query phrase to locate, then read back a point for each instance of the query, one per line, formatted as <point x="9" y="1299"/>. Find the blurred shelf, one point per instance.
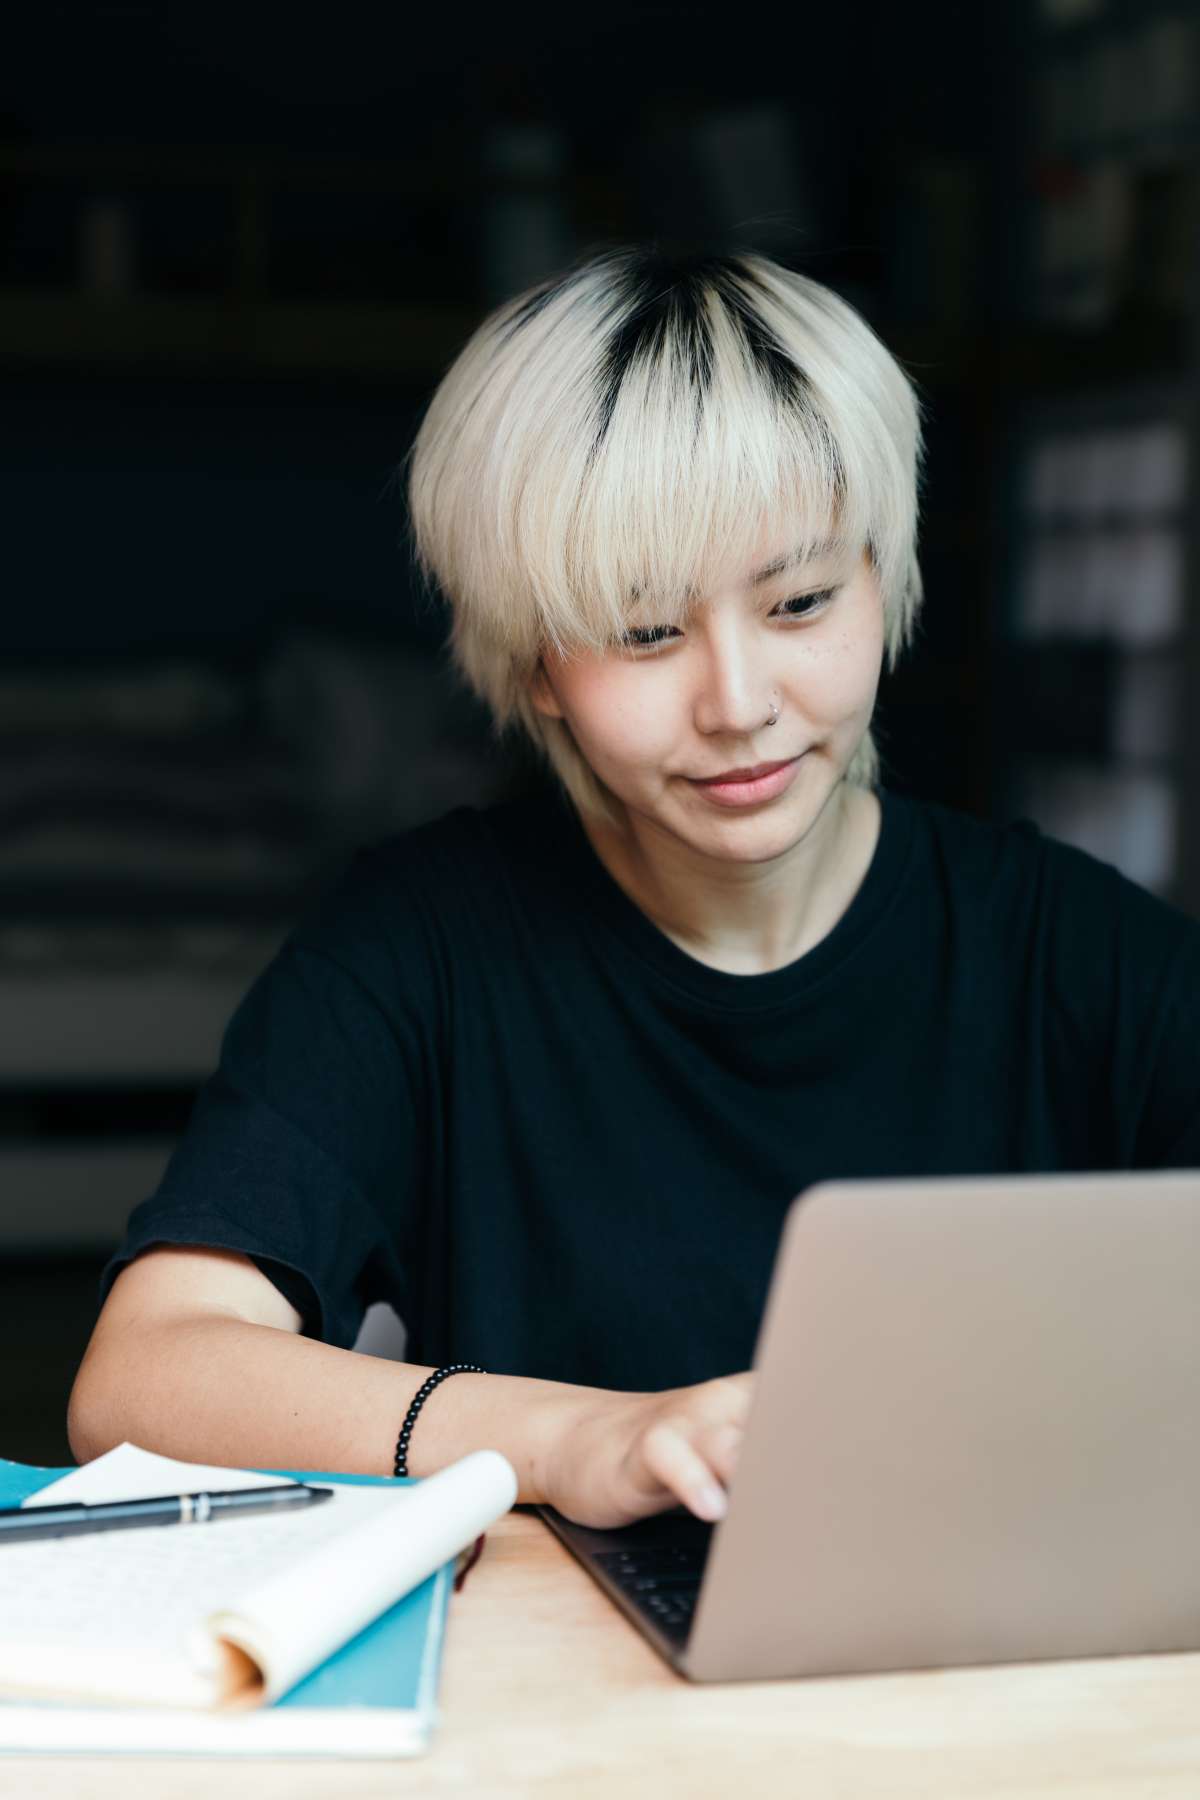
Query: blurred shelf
<point x="75" y="1197"/>
<point x="415" y="340"/>
<point x="69" y="896"/>
<point x="235" y="167"/>
<point x="104" y="1027"/>
<point x="196" y="334"/>
<point x="1006" y="358"/>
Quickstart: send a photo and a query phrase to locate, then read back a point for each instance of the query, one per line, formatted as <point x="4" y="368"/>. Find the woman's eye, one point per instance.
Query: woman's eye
<point x="800" y="606"/>
<point x="805" y="604"/>
<point x="646" y="638"/>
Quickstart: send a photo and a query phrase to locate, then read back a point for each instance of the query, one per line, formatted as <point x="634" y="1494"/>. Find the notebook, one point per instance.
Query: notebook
<point x="318" y="1634"/>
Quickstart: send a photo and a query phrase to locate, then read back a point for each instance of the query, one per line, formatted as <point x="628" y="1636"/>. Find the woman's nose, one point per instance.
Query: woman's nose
<point x="733" y="690"/>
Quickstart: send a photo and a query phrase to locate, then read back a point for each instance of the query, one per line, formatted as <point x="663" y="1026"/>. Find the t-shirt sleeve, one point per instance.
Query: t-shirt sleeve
<point x="306" y="1147"/>
<point x="1167" y="1127"/>
<point x="1129" y="972"/>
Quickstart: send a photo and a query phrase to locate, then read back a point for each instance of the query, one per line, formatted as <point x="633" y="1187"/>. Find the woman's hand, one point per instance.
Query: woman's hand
<point x="621" y="1457"/>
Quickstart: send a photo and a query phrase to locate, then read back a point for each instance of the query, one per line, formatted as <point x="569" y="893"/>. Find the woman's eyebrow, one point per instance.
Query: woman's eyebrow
<point x="804" y="554"/>
<point x="808" y="553"/>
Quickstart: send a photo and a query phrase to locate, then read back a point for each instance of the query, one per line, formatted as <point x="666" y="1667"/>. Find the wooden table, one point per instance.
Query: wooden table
<point x="546" y="1691"/>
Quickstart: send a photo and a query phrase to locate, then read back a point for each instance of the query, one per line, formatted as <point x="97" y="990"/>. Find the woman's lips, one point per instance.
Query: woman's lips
<point x="749" y="774"/>
<point x="748" y="791"/>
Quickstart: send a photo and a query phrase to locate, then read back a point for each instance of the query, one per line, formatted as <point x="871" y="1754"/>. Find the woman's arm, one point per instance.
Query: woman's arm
<point x="197" y="1355"/>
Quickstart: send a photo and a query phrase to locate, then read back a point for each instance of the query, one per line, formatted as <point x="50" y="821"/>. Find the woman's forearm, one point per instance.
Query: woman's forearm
<point x="221" y="1390"/>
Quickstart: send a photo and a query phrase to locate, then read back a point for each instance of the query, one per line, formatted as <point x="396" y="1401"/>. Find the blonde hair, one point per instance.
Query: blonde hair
<point x="628" y="428"/>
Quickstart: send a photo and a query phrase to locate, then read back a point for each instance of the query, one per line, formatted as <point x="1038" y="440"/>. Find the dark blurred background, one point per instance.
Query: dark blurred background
<point x="237" y="249"/>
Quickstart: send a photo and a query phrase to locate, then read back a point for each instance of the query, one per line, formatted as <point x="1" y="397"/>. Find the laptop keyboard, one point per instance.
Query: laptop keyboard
<point x="661" y="1580"/>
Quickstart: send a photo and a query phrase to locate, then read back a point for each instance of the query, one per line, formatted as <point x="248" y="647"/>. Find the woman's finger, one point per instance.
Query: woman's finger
<point x="675" y="1462"/>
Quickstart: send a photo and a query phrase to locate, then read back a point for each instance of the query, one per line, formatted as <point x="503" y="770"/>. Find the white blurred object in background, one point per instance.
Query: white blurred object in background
<point x="1124" y="817"/>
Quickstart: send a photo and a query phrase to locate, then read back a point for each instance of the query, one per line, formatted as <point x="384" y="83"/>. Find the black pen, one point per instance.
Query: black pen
<point x="20" y="1523"/>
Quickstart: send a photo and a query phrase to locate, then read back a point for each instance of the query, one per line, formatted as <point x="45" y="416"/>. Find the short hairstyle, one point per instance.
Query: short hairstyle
<point x="628" y="428"/>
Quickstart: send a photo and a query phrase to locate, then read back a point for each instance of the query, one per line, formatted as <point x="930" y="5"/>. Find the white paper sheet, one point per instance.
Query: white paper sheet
<point x="142" y="1614"/>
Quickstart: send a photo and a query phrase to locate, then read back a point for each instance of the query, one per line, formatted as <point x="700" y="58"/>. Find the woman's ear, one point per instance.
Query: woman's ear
<point x="542" y="694"/>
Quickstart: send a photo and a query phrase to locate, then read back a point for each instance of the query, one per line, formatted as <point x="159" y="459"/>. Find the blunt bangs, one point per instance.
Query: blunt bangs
<point x="624" y="438"/>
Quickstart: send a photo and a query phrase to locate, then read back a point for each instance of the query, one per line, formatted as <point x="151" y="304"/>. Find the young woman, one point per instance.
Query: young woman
<point x="546" y="1075"/>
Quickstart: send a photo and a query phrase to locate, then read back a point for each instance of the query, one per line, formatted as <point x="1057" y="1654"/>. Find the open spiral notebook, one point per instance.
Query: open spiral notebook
<point x="318" y="1633"/>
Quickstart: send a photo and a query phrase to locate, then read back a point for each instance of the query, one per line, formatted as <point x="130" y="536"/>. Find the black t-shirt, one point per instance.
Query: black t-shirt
<point x="477" y="1082"/>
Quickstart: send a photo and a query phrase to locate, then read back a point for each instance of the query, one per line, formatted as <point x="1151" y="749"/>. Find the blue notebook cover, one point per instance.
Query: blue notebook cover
<point x="377" y="1697"/>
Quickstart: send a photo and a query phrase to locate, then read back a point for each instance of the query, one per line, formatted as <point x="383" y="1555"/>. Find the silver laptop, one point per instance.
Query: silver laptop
<point x="975" y="1438"/>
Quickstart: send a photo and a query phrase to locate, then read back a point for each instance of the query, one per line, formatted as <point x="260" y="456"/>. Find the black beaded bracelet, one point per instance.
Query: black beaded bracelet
<point x="423" y="1392"/>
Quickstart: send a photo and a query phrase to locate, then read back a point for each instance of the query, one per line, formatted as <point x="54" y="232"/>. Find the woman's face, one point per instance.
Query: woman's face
<point x="657" y="718"/>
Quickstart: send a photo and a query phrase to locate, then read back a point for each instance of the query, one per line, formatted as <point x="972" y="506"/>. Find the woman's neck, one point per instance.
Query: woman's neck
<point x="746" y="918"/>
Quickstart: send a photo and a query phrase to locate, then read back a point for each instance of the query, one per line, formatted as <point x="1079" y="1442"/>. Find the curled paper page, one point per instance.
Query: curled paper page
<point x="280" y="1630"/>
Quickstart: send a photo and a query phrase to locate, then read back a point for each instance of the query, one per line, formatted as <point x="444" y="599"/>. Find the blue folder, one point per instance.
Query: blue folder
<point x="376" y="1697"/>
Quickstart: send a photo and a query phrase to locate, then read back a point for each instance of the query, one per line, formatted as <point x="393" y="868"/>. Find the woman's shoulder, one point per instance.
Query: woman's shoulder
<point x="1015" y="868"/>
<point x="431" y="875"/>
